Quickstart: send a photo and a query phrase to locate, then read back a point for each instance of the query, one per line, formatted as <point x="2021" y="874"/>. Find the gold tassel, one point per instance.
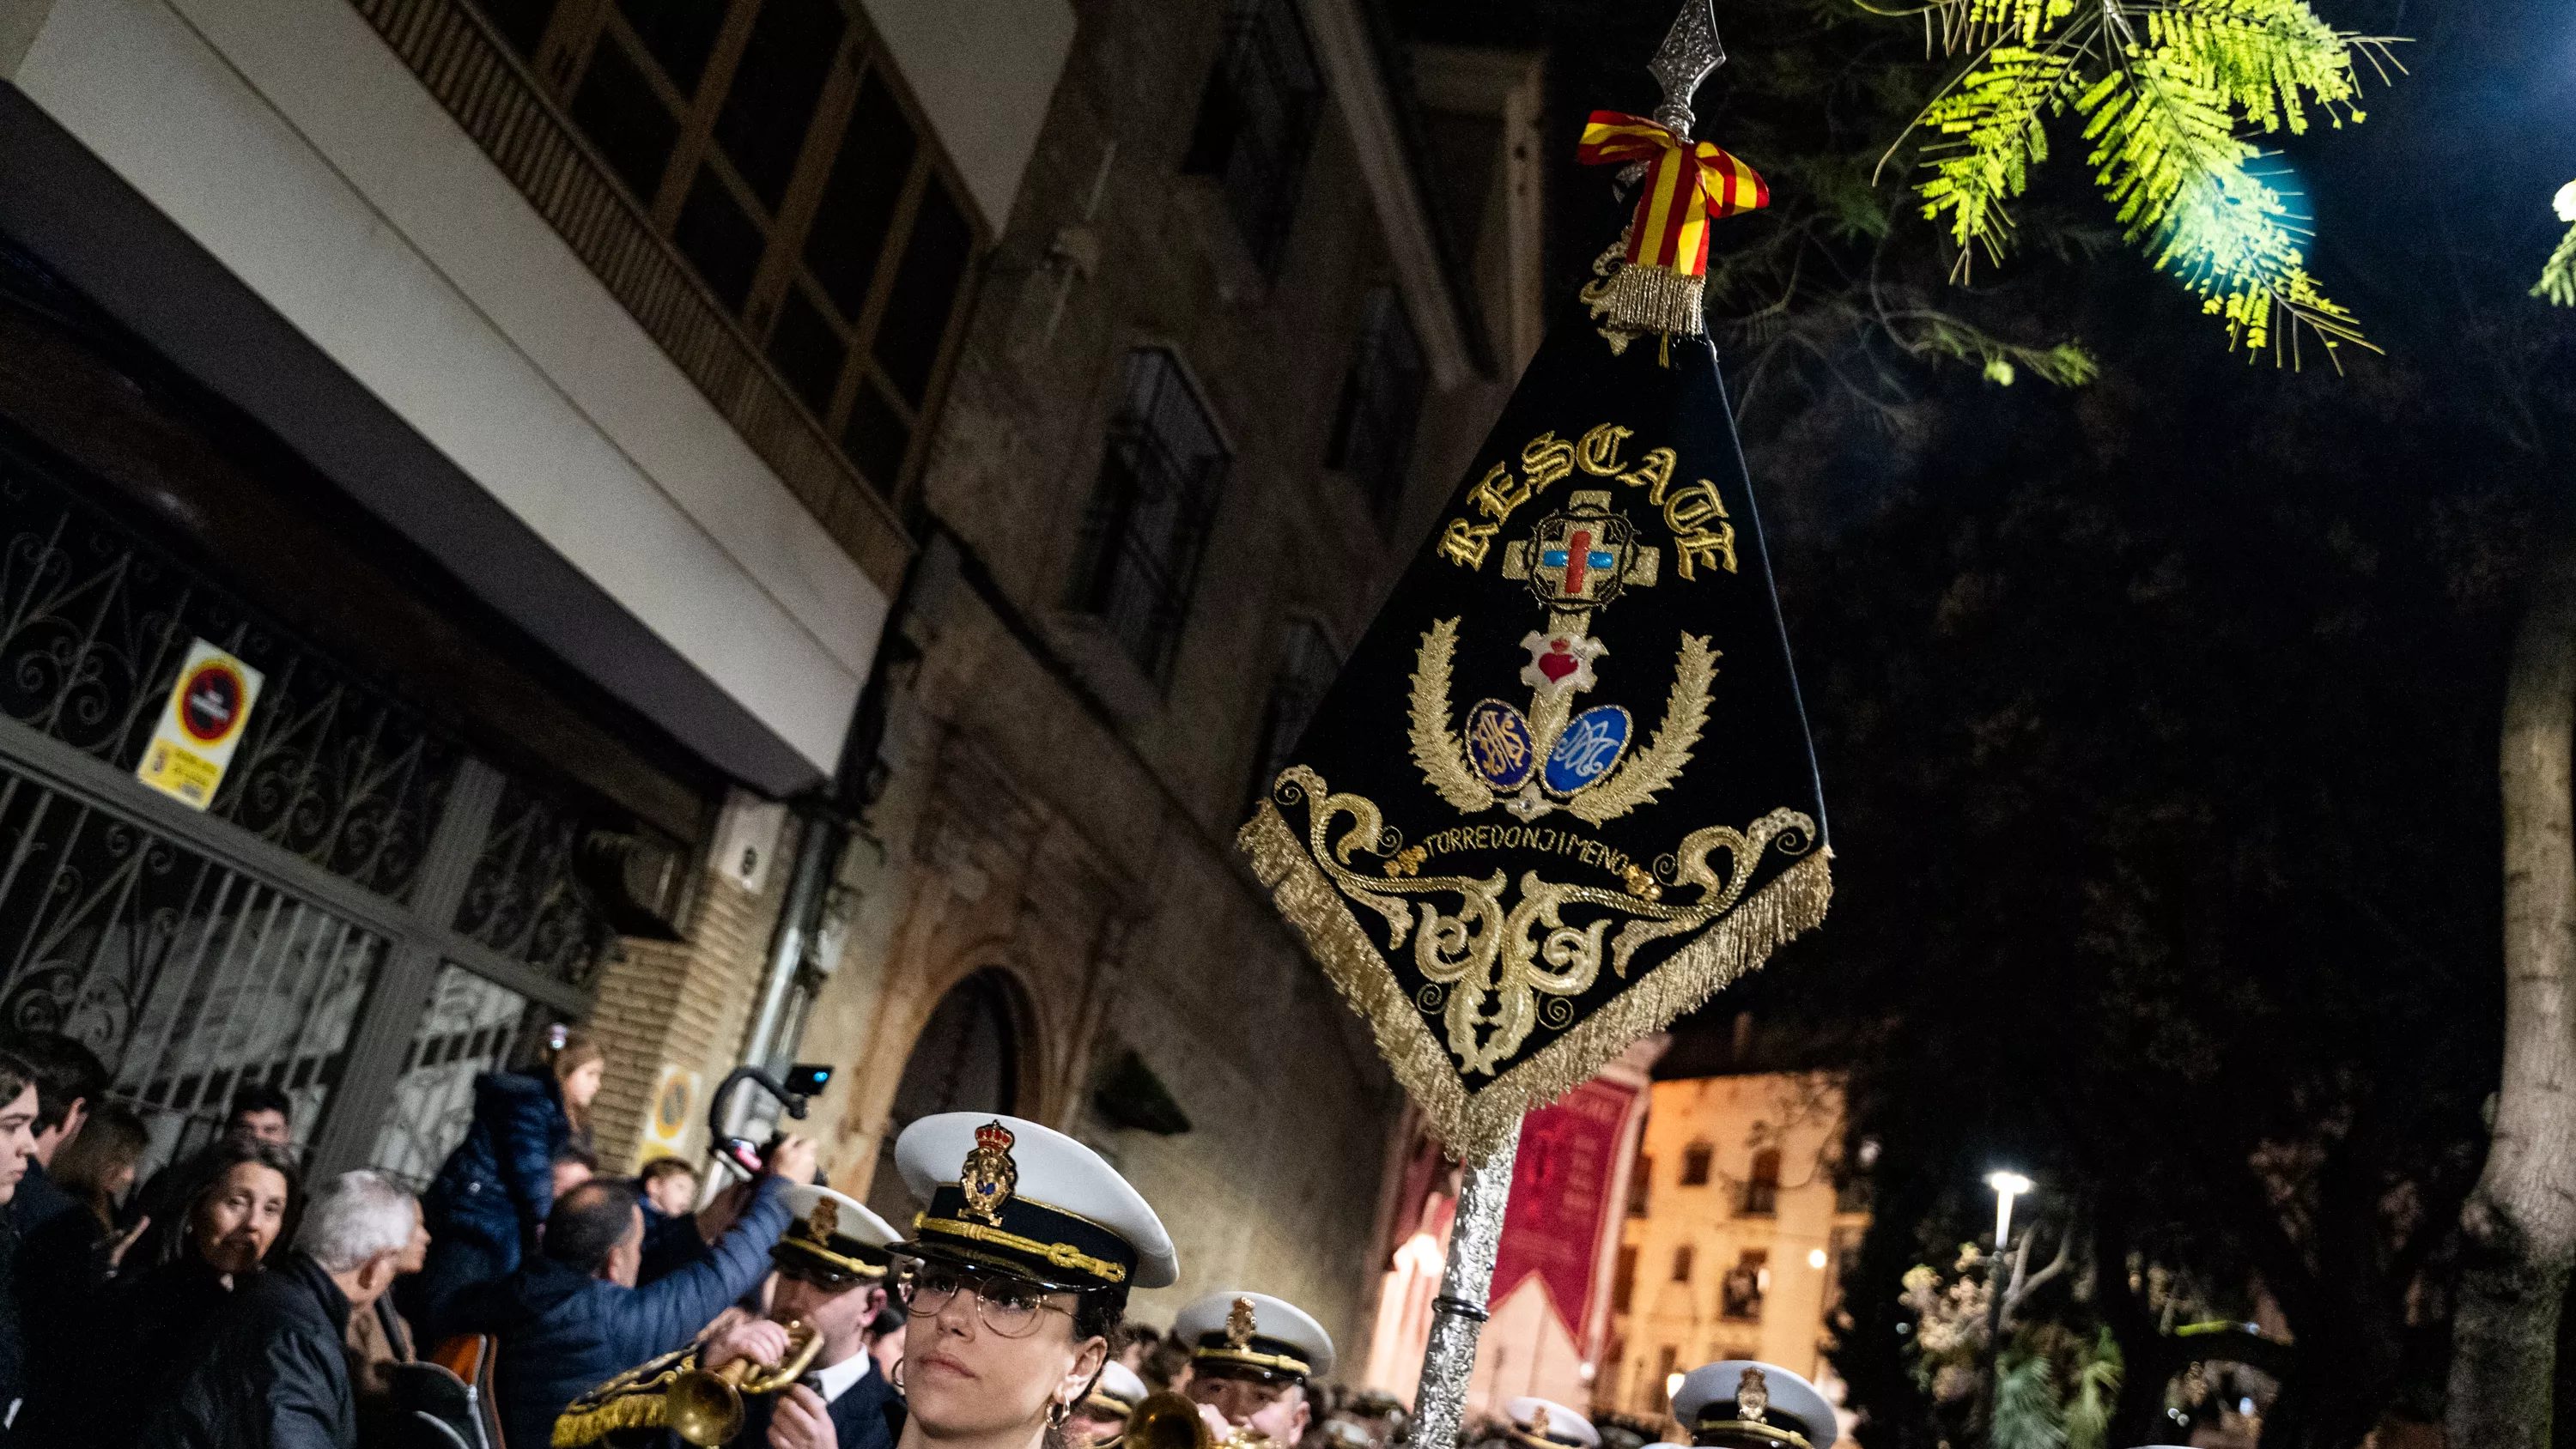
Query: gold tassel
<point x="1644" y="297"/>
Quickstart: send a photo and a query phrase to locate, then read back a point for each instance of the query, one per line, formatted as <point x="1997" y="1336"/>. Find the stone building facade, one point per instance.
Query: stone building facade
<point x="847" y="498"/>
<point x="1056" y="829"/>
<point x="1743" y="1219"/>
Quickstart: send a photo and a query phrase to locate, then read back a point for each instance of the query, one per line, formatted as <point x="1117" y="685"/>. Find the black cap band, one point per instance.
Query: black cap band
<point x="1033" y="1240"/>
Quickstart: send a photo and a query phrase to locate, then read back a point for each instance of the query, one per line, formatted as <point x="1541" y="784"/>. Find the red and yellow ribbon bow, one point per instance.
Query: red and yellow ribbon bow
<point x="1688" y="185"/>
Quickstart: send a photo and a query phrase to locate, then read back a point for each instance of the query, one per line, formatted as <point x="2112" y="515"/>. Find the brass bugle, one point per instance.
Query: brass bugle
<point x="1167" y="1421"/>
<point x="705" y="1407"/>
<point x="1172" y="1421"/>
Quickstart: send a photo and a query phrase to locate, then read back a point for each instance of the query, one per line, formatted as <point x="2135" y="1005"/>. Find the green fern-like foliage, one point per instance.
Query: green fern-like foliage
<point x="2027" y="1413"/>
<point x="2558" y="275"/>
<point x="2171" y="96"/>
<point x="2096" y="1392"/>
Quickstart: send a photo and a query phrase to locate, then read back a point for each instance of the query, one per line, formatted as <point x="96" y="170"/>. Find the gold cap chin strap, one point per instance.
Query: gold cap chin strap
<point x="1063" y="1255"/>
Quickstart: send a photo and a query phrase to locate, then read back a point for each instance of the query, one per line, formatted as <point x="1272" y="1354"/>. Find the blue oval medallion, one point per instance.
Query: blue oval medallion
<point x="1499" y="747"/>
<point x="1589" y="749"/>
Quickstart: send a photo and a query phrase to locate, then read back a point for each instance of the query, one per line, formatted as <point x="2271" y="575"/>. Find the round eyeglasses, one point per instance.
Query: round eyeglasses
<point x="1010" y="1307"/>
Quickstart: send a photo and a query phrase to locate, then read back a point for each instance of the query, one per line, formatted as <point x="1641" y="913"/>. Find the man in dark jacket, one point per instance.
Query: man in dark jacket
<point x="275" y="1374"/>
<point x="70" y="1080"/>
<point x="571" y="1317"/>
<point x="17" y="1153"/>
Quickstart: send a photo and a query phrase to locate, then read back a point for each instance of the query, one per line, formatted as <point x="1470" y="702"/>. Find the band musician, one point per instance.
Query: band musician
<point x="831" y="1266"/>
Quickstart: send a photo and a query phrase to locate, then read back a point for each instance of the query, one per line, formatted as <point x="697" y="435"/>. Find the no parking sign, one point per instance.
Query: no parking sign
<point x="201" y="726"/>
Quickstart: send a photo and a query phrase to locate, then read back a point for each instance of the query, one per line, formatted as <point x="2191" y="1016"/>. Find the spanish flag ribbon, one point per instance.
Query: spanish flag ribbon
<point x="1688" y="185"/>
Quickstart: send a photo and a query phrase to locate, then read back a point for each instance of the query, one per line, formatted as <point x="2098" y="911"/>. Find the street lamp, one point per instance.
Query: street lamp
<point x="2007" y="1186"/>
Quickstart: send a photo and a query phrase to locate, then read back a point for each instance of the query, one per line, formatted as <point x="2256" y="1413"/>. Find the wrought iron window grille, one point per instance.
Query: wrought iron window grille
<point x="1256" y="122"/>
<point x="1306" y="670"/>
<point x="1149" y="515"/>
<point x="1381" y="403"/>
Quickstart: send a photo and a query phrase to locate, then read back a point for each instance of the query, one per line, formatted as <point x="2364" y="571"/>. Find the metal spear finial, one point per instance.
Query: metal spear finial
<point x="1689" y="54"/>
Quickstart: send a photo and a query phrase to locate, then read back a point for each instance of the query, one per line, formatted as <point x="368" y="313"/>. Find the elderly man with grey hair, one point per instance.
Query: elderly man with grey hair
<point x="274" y="1374"/>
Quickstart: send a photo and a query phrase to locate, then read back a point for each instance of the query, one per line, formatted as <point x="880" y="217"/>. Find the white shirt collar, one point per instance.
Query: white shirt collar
<point x="838" y="1379"/>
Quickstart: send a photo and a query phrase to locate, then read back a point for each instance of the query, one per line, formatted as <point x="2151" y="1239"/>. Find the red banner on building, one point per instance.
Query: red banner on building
<point x="1560" y="1202"/>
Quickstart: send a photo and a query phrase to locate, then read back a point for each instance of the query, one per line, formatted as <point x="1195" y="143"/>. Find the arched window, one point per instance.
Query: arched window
<point x="1695" y="1165"/>
<point x="967" y="1059"/>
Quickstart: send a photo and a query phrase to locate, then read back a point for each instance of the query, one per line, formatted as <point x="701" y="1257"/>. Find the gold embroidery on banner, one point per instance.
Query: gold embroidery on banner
<point x="1652" y="472"/>
<point x="1548" y="459"/>
<point x="1440" y="752"/>
<point x="1709" y="550"/>
<point x="1472" y="1124"/>
<point x="1598" y="453"/>
<point x="1513" y="953"/>
<point x="1498" y="493"/>
<point x="1464" y="543"/>
<point x="1685" y="715"/>
<point x="1436" y="747"/>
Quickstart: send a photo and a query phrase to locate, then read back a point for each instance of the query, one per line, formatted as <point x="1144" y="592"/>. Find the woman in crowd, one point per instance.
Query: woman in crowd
<point x="487" y="1202"/>
<point x="64" y="1265"/>
<point x="243" y="1197"/>
<point x="98" y="1166"/>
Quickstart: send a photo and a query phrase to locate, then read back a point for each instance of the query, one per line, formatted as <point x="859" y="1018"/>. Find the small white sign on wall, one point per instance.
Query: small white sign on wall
<point x="746" y="837"/>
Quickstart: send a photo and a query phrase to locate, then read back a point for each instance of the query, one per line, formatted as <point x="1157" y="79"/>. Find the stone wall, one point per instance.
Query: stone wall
<point x="683" y="1003"/>
<point x="1052" y="812"/>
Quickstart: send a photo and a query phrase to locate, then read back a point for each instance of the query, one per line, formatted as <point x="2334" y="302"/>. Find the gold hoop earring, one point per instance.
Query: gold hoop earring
<point x="1057" y="1412"/>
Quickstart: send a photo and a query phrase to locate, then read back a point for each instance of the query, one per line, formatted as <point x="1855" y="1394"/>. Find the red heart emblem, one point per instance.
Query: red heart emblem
<point x="1557" y="666"/>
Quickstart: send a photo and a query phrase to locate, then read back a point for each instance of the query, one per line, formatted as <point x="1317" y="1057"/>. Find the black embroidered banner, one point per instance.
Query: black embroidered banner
<point x="1562" y="792"/>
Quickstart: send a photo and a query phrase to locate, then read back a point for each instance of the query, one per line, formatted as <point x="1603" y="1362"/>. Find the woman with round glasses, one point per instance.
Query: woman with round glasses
<point x="1018" y="1271"/>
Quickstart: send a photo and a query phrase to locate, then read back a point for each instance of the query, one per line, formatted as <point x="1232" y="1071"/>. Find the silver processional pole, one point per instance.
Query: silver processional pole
<point x="1689" y="54"/>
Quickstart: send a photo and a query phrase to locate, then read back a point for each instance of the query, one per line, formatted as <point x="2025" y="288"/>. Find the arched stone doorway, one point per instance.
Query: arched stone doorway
<point x="967" y="1059"/>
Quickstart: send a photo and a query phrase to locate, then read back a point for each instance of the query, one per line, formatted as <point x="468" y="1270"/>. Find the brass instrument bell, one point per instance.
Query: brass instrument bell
<point x="1172" y="1421"/>
<point x="705" y="1406"/>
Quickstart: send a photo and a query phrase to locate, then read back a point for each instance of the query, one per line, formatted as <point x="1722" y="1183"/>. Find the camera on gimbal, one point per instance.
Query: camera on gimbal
<point x="805" y="1080"/>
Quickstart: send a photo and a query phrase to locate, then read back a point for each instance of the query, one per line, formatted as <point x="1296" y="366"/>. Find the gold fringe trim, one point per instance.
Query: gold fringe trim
<point x="638" y="1406"/>
<point x="1643" y="297"/>
<point x="1471" y="1125"/>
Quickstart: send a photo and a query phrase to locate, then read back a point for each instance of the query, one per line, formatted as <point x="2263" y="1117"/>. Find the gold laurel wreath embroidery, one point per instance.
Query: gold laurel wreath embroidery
<point x="1436" y="747"/>
<point x="1442" y="755"/>
<point x="1685" y="715"/>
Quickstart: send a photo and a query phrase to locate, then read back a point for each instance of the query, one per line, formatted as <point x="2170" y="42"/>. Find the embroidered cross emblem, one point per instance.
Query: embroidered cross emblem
<point x="1577" y="558"/>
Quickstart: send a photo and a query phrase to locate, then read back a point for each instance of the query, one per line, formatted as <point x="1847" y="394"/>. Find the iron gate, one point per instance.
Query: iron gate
<point x="365" y="916"/>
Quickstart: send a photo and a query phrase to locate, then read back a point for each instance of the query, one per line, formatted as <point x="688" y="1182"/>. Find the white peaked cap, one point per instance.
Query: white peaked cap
<point x="1054" y="1173"/>
<point x="853" y="1217"/>
<point x="1119" y="1381"/>
<point x="1562" y="1422"/>
<point x="1275" y="1319"/>
<point x="1791" y="1396"/>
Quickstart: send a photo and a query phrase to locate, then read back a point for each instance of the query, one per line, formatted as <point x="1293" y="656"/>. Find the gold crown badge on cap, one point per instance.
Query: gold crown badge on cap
<point x="990" y="1175"/>
<point x="1752" y="1396"/>
<point x="823" y="1221"/>
<point x="1538" y="1422"/>
<point x="1239" y="1324"/>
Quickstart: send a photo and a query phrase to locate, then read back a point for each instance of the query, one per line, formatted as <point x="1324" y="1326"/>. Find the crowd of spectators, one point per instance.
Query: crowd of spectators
<point x="226" y="1301"/>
